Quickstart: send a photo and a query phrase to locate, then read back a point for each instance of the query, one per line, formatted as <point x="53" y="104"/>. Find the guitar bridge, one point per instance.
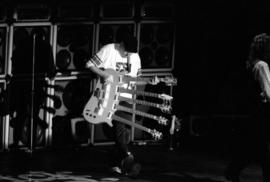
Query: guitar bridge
<point x="97" y="92"/>
<point x="114" y="107"/>
<point x="109" y="115"/>
<point x="120" y="79"/>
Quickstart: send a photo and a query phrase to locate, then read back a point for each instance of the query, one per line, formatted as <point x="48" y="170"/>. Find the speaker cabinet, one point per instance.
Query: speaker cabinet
<point x="3" y="12"/>
<point x="74" y="46"/>
<point x="32" y="12"/>
<point x="22" y="54"/>
<point x="2" y="113"/>
<point x="20" y="106"/>
<point x="157" y="10"/>
<point x="71" y="96"/>
<point x="110" y="32"/>
<point x="75" y="11"/>
<point x="69" y="100"/>
<point x="117" y="10"/>
<point x="3" y="41"/>
<point x="2" y="134"/>
<point x="156" y="46"/>
<point x="102" y="134"/>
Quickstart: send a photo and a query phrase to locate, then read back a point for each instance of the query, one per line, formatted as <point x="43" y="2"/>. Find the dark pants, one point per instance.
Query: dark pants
<point x="121" y="135"/>
<point x="252" y="144"/>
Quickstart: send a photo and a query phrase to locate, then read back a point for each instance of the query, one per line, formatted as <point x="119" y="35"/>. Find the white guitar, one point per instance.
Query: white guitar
<point x="105" y="101"/>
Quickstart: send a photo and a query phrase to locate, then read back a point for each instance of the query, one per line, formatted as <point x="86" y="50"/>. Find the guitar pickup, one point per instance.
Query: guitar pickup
<point x="120" y="79"/>
<point x="116" y="97"/>
<point x="114" y="107"/>
<point x="100" y="103"/>
<point x="109" y="115"/>
<point x="96" y="110"/>
<point x="97" y="92"/>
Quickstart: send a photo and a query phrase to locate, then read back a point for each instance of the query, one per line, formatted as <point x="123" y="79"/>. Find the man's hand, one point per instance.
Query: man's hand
<point x="108" y="79"/>
<point x="154" y="81"/>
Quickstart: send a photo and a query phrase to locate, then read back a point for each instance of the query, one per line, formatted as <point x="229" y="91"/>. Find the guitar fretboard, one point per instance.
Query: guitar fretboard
<point x="151" y="116"/>
<point x="155" y="134"/>
<point x="125" y="121"/>
<point x="142" y="102"/>
<point x="138" y="80"/>
<point x="139" y="92"/>
<point x="143" y="81"/>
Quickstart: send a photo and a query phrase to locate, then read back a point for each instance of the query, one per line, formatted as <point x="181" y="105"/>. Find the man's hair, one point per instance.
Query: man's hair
<point x="260" y="48"/>
<point x="129" y="41"/>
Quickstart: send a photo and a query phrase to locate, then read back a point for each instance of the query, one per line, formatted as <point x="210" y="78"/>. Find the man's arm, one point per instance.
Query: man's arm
<point x="97" y="62"/>
<point x="262" y="74"/>
<point x="107" y="78"/>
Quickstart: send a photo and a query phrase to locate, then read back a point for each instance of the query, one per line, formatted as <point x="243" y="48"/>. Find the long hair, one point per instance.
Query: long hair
<point x="259" y="49"/>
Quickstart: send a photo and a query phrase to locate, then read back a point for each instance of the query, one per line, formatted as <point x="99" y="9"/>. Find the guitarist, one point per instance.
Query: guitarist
<point x="123" y="58"/>
<point x="254" y="135"/>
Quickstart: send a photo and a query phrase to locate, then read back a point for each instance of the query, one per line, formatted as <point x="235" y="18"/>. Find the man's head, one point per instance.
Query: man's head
<point x="260" y="48"/>
<point x="129" y="42"/>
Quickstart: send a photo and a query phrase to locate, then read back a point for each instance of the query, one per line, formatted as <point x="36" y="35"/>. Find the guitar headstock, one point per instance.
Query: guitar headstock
<point x="156" y="134"/>
<point x="169" y="81"/>
<point x="178" y="124"/>
<point x="166" y="108"/>
<point x="165" y="97"/>
<point x="162" y="121"/>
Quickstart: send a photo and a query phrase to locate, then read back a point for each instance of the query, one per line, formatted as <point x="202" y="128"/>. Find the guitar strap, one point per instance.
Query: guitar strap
<point x="128" y="64"/>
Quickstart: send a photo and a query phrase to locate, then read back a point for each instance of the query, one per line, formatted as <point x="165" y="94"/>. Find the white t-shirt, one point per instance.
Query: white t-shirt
<point x="111" y="56"/>
<point x="262" y="74"/>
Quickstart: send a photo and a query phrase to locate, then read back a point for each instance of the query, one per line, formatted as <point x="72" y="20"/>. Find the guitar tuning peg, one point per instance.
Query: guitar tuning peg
<point x="156" y="134"/>
<point x="163" y="121"/>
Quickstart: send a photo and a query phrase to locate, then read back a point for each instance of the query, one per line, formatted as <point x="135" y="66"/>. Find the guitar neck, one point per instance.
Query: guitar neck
<point x="142" y="102"/>
<point x="125" y="121"/>
<point x="143" y="114"/>
<point x="139" y="92"/>
<point x="138" y="80"/>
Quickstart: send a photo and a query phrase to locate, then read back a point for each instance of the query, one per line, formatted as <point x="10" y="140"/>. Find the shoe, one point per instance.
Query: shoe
<point x="135" y="170"/>
<point x="116" y="171"/>
<point x="231" y="176"/>
<point x="129" y="167"/>
<point x="126" y="163"/>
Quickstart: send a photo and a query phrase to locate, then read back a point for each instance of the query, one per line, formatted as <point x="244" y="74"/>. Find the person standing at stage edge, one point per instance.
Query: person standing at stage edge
<point x="255" y="138"/>
<point x="123" y="58"/>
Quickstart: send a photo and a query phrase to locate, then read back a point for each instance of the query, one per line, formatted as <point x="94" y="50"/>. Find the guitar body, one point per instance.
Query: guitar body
<point x="105" y="101"/>
<point x="101" y="106"/>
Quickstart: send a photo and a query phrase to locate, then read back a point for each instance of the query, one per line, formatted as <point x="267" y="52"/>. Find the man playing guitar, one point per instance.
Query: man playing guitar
<point x="123" y="58"/>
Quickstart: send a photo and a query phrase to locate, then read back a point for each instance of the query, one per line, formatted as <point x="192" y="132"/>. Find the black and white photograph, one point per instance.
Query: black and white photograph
<point x="134" y="90"/>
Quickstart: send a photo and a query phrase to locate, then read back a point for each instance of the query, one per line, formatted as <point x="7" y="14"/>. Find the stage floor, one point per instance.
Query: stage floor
<point x="89" y="164"/>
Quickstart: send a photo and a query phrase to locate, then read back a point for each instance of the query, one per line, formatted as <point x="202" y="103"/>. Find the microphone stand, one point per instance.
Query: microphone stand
<point x="32" y="94"/>
<point x="172" y="128"/>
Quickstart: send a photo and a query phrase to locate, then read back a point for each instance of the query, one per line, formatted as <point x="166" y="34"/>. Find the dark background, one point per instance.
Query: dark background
<point x="212" y="46"/>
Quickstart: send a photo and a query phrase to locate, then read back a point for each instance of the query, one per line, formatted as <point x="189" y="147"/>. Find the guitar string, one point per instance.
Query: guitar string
<point x="151" y="116"/>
